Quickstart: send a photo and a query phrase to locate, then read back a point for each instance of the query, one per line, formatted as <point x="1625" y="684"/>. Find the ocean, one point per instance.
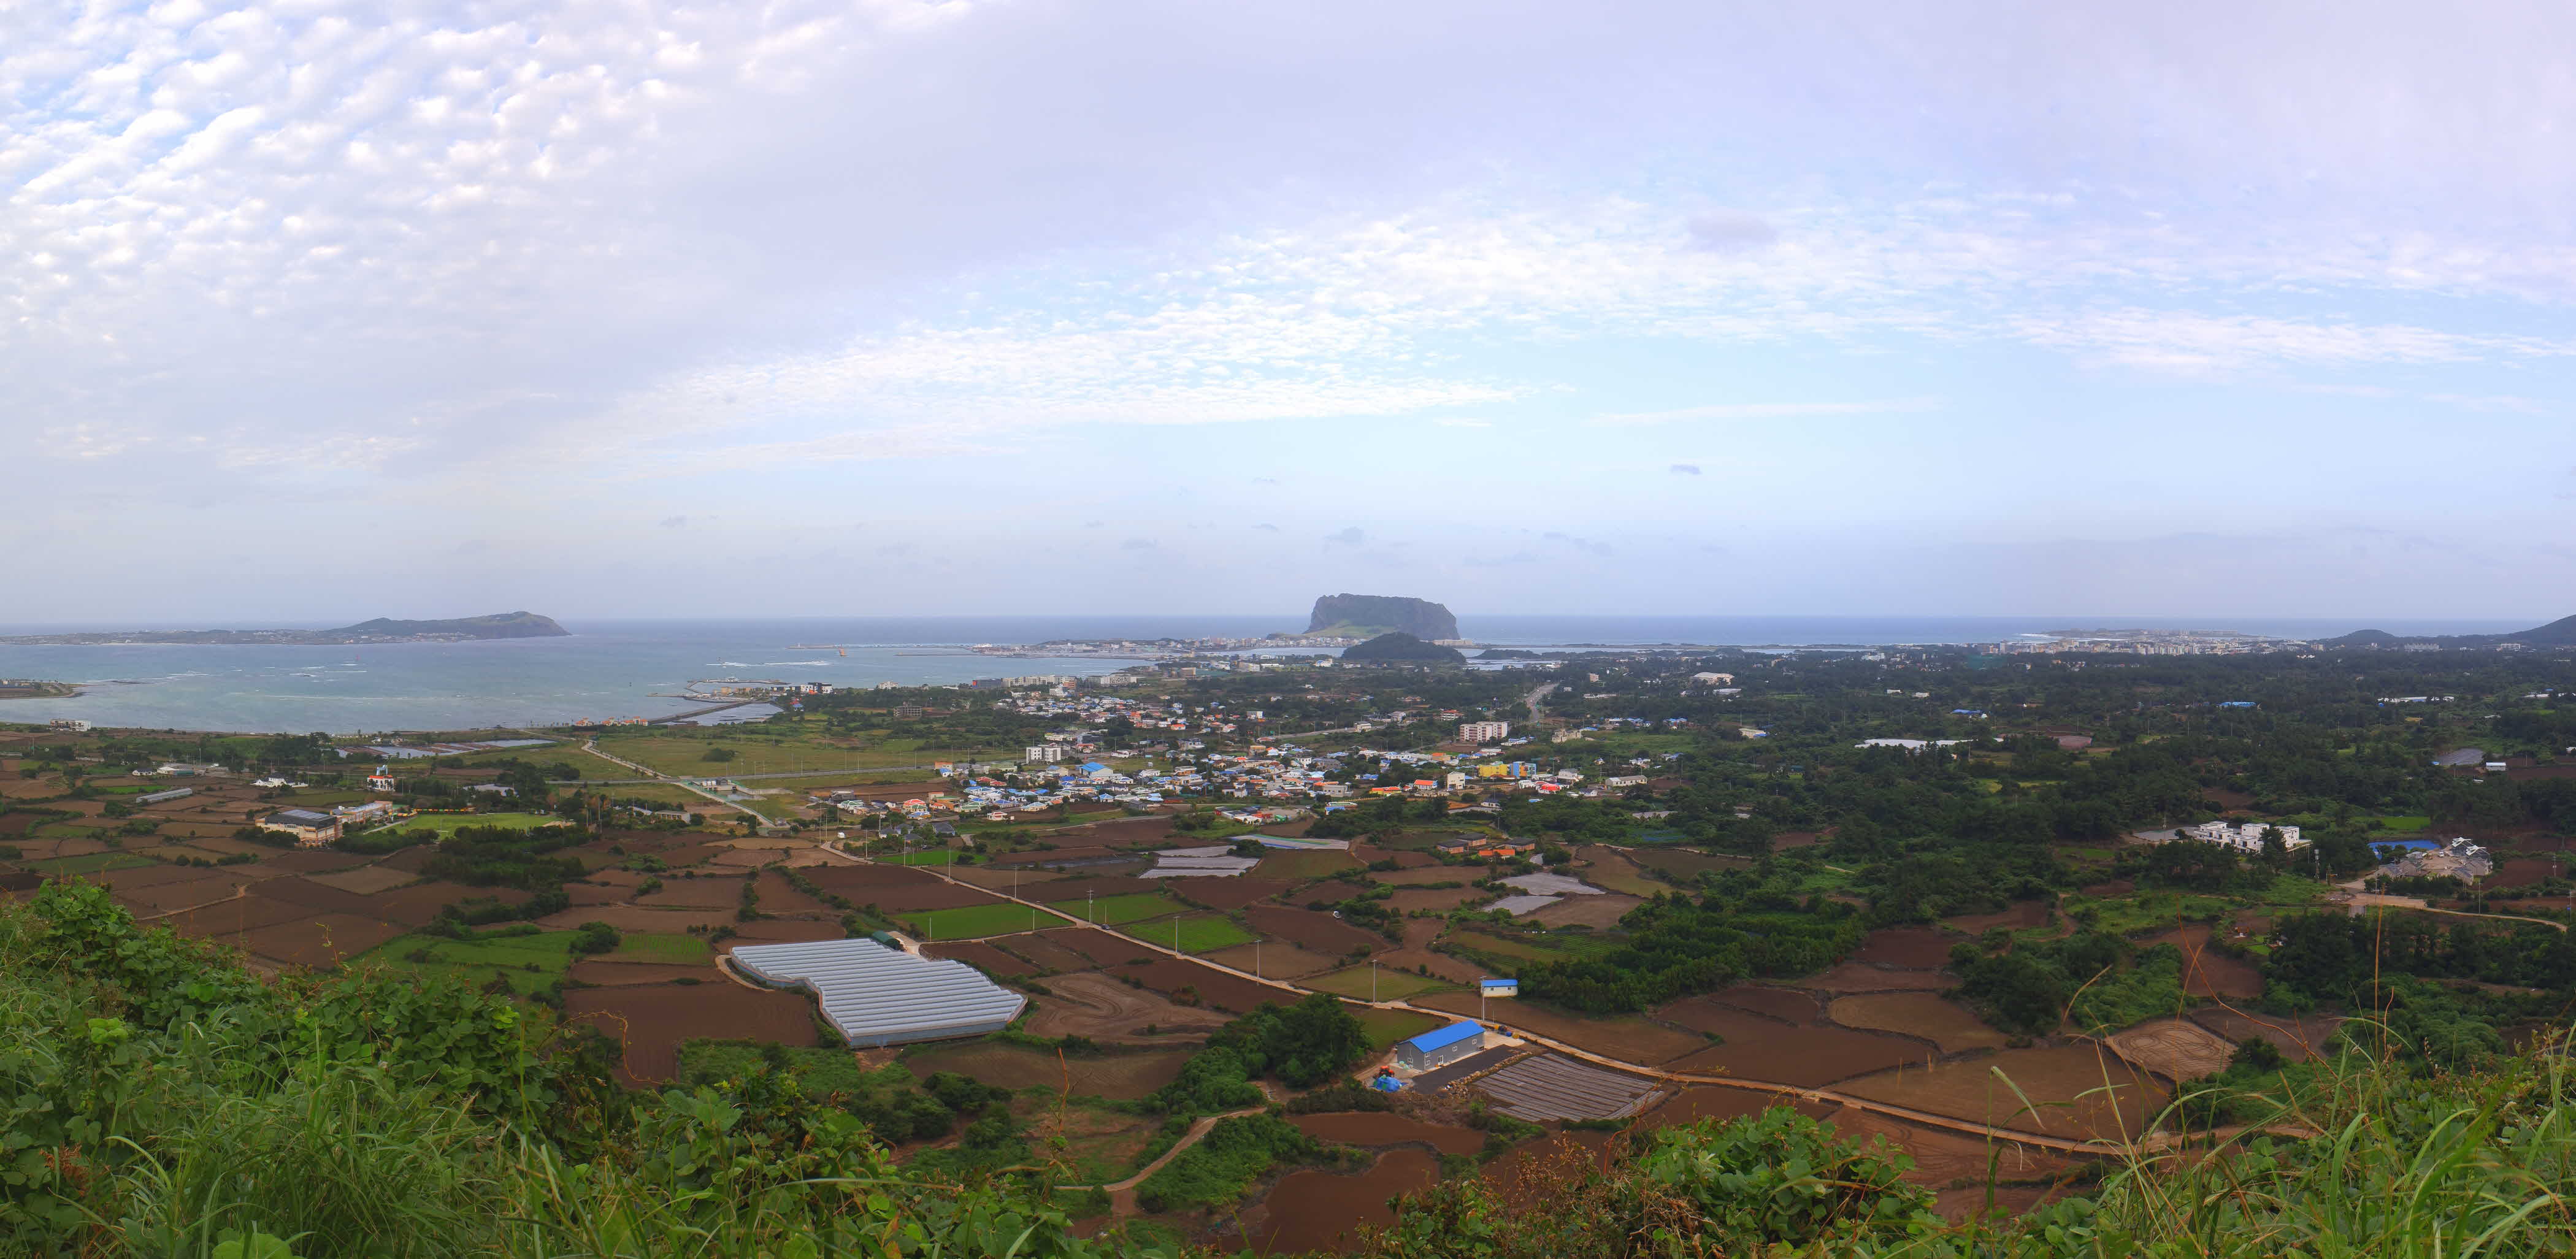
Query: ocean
<point x="614" y="669"/>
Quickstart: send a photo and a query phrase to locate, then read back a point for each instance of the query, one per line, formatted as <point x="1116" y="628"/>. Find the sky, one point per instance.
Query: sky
<point x="318" y="311"/>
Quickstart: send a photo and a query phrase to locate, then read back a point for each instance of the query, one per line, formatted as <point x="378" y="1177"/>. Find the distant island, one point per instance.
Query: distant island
<point x="1402" y="648"/>
<point x="463" y="629"/>
<point x="1364" y="616"/>
<point x="2558" y="633"/>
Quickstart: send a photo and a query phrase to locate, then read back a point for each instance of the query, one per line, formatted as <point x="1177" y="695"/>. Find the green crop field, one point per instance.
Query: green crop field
<point x="446" y="823"/>
<point x="1200" y="933"/>
<point x="529" y="963"/>
<point x="1277" y="864"/>
<point x="976" y="921"/>
<point x="1114" y="911"/>
<point x="679" y="950"/>
<point x="1392" y="985"/>
<point x="1385" y="1027"/>
<point x="92" y="863"/>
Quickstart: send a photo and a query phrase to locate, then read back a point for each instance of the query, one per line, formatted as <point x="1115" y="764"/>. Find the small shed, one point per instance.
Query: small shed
<point x="1447" y="1045"/>
<point x="1499" y="987"/>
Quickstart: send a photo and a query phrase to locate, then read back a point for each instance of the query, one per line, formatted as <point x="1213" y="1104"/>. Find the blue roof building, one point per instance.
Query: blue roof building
<point x="1442" y="1047"/>
<point x="1499" y="987"/>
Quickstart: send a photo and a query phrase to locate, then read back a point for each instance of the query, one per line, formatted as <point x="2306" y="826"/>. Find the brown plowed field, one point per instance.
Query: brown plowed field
<point x="1947" y="1024"/>
<point x="172" y="897"/>
<point x="2522" y="872"/>
<point x="651" y="1020"/>
<point x="1317" y="1210"/>
<point x="2023" y="914"/>
<point x="1216" y="988"/>
<point x="310" y="861"/>
<point x="234" y="917"/>
<point x="1596" y="912"/>
<point x="855" y="881"/>
<point x="1860" y="977"/>
<point x="705" y="892"/>
<point x="1709" y="1101"/>
<point x="1118" y="1077"/>
<point x="1780" y="1003"/>
<point x="788" y="930"/>
<point x="616" y="974"/>
<point x="907" y="900"/>
<point x="2206" y="973"/>
<point x="1091" y="1004"/>
<point x="1227" y="894"/>
<point x="1275" y="959"/>
<point x="1908" y="948"/>
<point x="2176" y="1049"/>
<point x="365" y="880"/>
<point x="594" y="894"/>
<point x="1097" y="948"/>
<point x="1612" y="869"/>
<point x="1003" y="880"/>
<point x="1074" y="889"/>
<point x="315" y="896"/>
<point x="1757" y="1048"/>
<point x="1308" y="929"/>
<point x="150" y="876"/>
<point x="2065" y="1082"/>
<point x="1330" y="892"/>
<point x="321" y="940"/>
<point x="416" y="905"/>
<point x="981" y="956"/>
<point x="1378" y="1129"/>
<point x="1627" y="1038"/>
<point x="2298" y="1039"/>
<point x="1420" y="875"/>
<point x="1046" y="953"/>
<point x="778" y="896"/>
<point x="1443" y="899"/>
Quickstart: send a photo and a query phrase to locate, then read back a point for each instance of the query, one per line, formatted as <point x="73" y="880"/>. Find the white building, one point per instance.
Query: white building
<point x="1714" y="679"/>
<point x="1484" y="731"/>
<point x="2245" y="836"/>
<point x="1048" y="752"/>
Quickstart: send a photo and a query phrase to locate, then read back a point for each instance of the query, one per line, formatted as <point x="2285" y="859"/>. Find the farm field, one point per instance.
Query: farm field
<point x="1275" y="959"/>
<point x="1096" y="1006"/>
<point x="1391" y="985"/>
<point x="651" y="1020"/>
<point x="1385" y="1027"/>
<point x="971" y="922"/>
<point x="1300" y="866"/>
<point x="1757" y="1048"/>
<point x="1948" y="1025"/>
<point x="92" y="863"/>
<point x="1198" y="933"/>
<point x="1116" y="911"/>
<point x="1314" y="1210"/>
<point x="2079" y="1090"/>
<point x="446" y="823"/>
<point x="1116" y="1076"/>
<point x="1627" y="1037"/>
<point x="528" y="962"/>
<point x="1382" y="1128"/>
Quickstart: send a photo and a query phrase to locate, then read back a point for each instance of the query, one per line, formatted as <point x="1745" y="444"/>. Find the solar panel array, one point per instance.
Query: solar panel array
<point x="874" y="995"/>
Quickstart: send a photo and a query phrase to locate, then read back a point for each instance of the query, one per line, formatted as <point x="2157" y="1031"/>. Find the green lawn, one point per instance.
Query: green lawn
<point x="1392" y="984"/>
<point x="975" y="921"/>
<point x="529" y="963"/>
<point x="1119" y="910"/>
<point x="2406" y="822"/>
<point x="446" y="823"/>
<point x="92" y="863"/>
<point x="1385" y="1027"/>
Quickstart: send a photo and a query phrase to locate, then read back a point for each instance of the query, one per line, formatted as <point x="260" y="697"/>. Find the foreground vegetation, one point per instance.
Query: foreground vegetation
<point x="164" y="1102"/>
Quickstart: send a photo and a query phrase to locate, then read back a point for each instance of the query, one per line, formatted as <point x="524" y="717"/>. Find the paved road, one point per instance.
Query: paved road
<point x="1906" y="1113"/>
<point x="1535" y="698"/>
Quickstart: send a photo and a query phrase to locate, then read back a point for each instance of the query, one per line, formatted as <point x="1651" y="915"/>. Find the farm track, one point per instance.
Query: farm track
<point x="1122" y="1194"/>
<point x="1820" y="1096"/>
